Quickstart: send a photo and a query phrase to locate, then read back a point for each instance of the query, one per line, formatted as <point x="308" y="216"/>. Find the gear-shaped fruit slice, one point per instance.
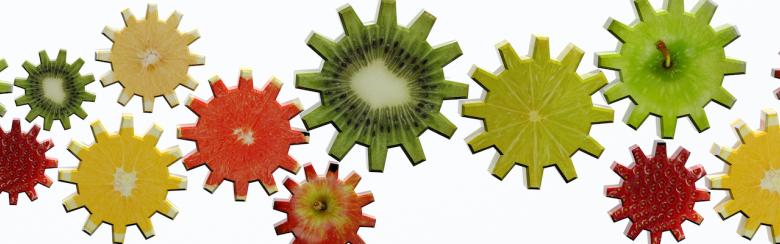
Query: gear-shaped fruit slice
<point x="324" y="209"/>
<point x="122" y="179"/>
<point x="23" y="162"/>
<point x="537" y="112"/>
<point x="243" y="135"/>
<point x="54" y="89"/>
<point x="657" y="193"/>
<point x="752" y="177"/>
<point x="671" y="64"/>
<point x="150" y="58"/>
<point x="381" y="85"/>
<point x="4" y="87"/>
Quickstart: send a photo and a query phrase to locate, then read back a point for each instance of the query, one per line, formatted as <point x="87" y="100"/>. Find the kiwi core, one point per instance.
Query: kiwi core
<point x="771" y="181"/>
<point x="124" y="182"/>
<point x="380" y="87"/>
<point x="149" y="57"/>
<point x="54" y="89"/>
<point x="245" y="136"/>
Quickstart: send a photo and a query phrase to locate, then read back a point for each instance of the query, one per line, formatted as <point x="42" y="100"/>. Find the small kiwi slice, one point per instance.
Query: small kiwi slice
<point x="381" y="85"/>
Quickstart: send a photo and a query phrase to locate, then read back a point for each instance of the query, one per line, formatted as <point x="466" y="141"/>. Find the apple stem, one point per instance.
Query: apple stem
<point x="320" y="206"/>
<point x="665" y="51"/>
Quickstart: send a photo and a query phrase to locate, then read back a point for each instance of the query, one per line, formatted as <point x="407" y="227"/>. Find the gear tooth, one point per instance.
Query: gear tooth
<point x="565" y="167"/>
<point x="32" y="194"/>
<point x="699" y="119"/>
<point x="98" y="130"/>
<point x="13" y="198"/>
<point x="333" y="171"/>
<point x="722" y="153"/>
<point x="310" y="173"/>
<point x="317" y="117"/>
<point x="272" y="89"/>
<point x="23" y="100"/>
<point x="454" y="90"/>
<point x="616" y="192"/>
<point x="769" y="121"/>
<point x="616" y="92"/>
<point x="76" y="67"/>
<point x="676" y="7"/>
<point x="681" y="156"/>
<point x="718" y="182"/>
<point x="601" y="114"/>
<point x="501" y="166"/>
<point x="377" y="156"/>
<point x="291" y="185"/>
<point x="509" y="56"/>
<point x="118" y="233"/>
<point x="126" y="126"/>
<point x="218" y="87"/>
<point x="636" y="116"/>
<point x="534" y="173"/>
<point x="694" y="217"/>
<point x="638" y="154"/>
<point x="196" y="60"/>
<point x="151" y="12"/>
<point x="541" y="48"/>
<point x="480" y="141"/>
<point x="644" y="10"/>
<point x="387" y="14"/>
<point x="475" y="110"/>
<point x="153" y="134"/>
<point x="485" y="79"/>
<point x="108" y="79"/>
<point x="365" y="198"/>
<point x="128" y="17"/>
<point x="3" y="64"/>
<point x="342" y="144"/>
<point x="623" y="171"/>
<point x="174" y="20"/>
<point x="34" y="113"/>
<point x="124" y="97"/>
<point x="61" y="57"/>
<point x="191" y="83"/>
<point x="29" y="67"/>
<point x="282" y="205"/>
<point x="5" y="87"/>
<point x="701" y="196"/>
<point x="146" y="228"/>
<point x="618" y="213"/>
<point x="194" y="160"/>
<point x="726" y="34"/>
<point x="322" y="46"/>
<point x="668" y="126"/>
<point x="290" y="110"/>
<point x="190" y="37"/>
<point x="269" y="187"/>
<point x="733" y="67"/>
<point x="148" y="104"/>
<point x="367" y="221"/>
<point x="176" y="183"/>
<point x="422" y="25"/>
<point x="72" y="202"/>
<point x="571" y="57"/>
<point x="240" y="190"/>
<point x="65" y="123"/>
<point x="743" y="130"/>
<point x="109" y="33"/>
<point x="591" y="147"/>
<point x="726" y="209"/>
<point x="44" y="57"/>
<point x="213" y="181"/>
<point x="283" y="227"/>
<point x="170" y="155"/>
<point x="446" y="53"/>
<point x="168" y="210"/>
<point x="352" y="24"/>
<point x="413" y="149"/>
<point x="47" y="123"/>
<point x="704" y="10"/>
<point x="352" y="180"/>
<point x="655" y="237"/>
<point x="50" y="163"/>
<point x="91" y="224"/>
<point x="633" y="230"/>
<point x="77" y="149"/>
<point x="748" y="227"/>
<point x="171" y="99"/>
<point x="289" y="164"/>
<point x="310" y="81"/>
<point x="80" y="113"/>
<point x="594" y="81"/>
<point x="621" y="31"/>
<point x="441" y="125"/>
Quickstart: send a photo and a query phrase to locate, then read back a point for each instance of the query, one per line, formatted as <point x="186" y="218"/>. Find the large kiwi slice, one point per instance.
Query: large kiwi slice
<point x="381" y="85"/>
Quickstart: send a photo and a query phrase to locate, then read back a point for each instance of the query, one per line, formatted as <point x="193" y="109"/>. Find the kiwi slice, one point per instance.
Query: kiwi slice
<point x="381" y="85"/>
<point x="54" y="89"/>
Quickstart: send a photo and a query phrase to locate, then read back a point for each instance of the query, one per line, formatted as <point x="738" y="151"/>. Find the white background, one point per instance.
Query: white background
<point x="450" y="198"/>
